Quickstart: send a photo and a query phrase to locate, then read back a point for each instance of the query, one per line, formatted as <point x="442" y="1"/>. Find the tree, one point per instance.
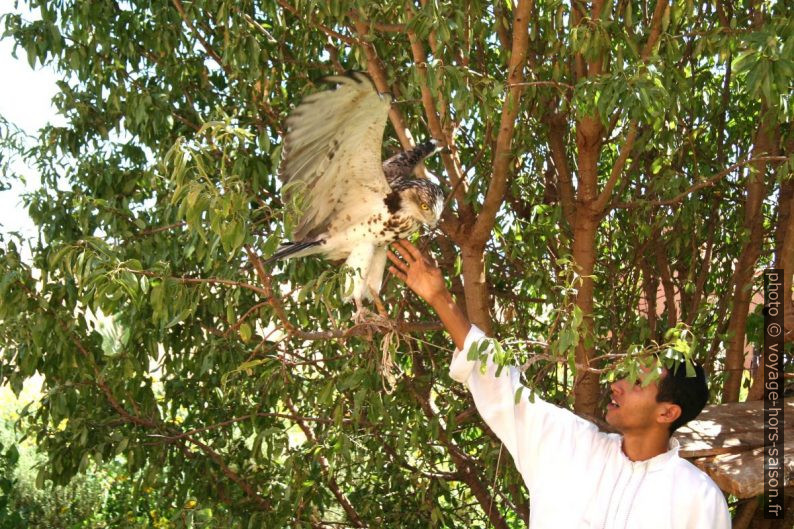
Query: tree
<point x="597" y="152"/>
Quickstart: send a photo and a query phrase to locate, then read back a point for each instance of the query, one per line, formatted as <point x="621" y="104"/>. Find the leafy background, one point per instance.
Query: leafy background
<point x="599" y="154"/>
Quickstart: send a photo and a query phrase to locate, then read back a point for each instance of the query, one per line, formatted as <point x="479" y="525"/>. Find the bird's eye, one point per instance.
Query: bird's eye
<point x="425" y="206"/>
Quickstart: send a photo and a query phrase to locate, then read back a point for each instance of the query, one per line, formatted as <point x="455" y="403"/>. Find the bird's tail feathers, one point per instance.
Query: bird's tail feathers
<point x="429" y="147"/>
<point x="423" y="150"/>
<point x="402" y="164"/>
<point x="294" y="249"/>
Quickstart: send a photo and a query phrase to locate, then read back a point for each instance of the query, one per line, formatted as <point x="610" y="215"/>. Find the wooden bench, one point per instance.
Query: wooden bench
<point x="726" y="441"/>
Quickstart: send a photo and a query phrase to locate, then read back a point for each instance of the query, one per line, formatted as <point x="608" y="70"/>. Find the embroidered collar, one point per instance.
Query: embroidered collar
<point x="656" y="462"/>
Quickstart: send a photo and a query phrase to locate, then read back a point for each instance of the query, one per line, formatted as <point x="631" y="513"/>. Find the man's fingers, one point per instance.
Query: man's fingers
<point x="401" y="251"/>
<point x="397" y="273"/>
<point x="412" y="250"/>
<point x="407" y="250"/>
<point x="396" y="260"/>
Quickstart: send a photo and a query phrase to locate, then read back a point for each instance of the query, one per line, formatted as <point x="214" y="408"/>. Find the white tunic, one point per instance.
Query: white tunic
<point x="579" y="477"/>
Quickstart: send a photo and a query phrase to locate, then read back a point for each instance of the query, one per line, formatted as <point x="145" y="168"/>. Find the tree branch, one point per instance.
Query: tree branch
<point x="617" y="169"/>
<point x="502" y="154"/>
<point x="600" y="204"/>
<point x="152" y="231"/>
<point x="325" y="29"/>
<point x="462" y="462"/>
<point x="656" y="29"/>
<point x="175" y="437"/>
<point x="379" y="26"/>
<point x="366" y="329"/>
<point x="706" y="183"/>
<point x="355" y="330"/>
<point x="420" y="61"/>
<point x="207" y="47"/>
<point x="244" y="317"/>
<point x="378" y="74"/>
<point x="103" y="386"/>
<point x="577" y="13"/>
<point x="663" y="265"/>
<point x="563" y="87"/>
<point x="150" y="423"/>
<point x="326" y="468"/>
<point x="559" y="157"/>
<point x="263" y="503"/>
<point x="596" y="64"/>
<point x="451" y="161"/>
<point x="199" y="280"/>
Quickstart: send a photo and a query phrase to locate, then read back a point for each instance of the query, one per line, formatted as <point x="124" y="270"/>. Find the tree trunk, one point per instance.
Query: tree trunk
<point x="476" y="288"/>
<point x="745" y="513"/>
<point x="663" y="266"/>
<point x="650" y="288"/>
<point x="784" y="258"/>
<point x="745" y="268"/>
<point x="586" y="220"/>
<point x="586" y="390"/>
<point x="784" y="248"/>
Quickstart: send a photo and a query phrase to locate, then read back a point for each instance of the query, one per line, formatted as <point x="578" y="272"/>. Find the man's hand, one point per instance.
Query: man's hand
<point x="423" y="277"/>
<point x="418" y="272"/>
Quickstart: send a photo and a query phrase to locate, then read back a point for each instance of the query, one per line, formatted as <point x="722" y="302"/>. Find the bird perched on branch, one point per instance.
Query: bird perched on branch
<point x="351" y="203"/>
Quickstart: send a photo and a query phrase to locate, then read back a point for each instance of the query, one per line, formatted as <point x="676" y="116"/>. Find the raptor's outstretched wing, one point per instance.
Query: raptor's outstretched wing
<point x="332" y="151"/>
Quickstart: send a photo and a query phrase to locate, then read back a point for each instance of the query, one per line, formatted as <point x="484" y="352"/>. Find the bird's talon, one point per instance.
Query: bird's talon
<point x="362" y="316"/>
<point x="373" y="321"/>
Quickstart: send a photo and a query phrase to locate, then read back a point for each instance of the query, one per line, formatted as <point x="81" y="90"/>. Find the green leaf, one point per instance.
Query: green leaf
<point x="517" y="397"/>
<point x="245" y="332"/>
<point x="474" y="351"/>
<point x="577" y="317"/>
<point x="690" y="368"/>
<point x="184" y="313"/>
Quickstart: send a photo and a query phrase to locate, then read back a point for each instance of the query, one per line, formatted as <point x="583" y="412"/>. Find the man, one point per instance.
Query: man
<point x="577" y="476"/>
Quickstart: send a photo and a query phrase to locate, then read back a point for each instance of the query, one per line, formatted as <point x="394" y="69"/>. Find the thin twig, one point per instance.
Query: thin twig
<point x="706" y="183"/>
<point x="325" y="29"/>
<point x="207" y="47"/>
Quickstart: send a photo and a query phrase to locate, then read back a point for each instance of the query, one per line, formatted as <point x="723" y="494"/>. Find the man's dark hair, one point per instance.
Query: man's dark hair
<point x="689" y="393"/>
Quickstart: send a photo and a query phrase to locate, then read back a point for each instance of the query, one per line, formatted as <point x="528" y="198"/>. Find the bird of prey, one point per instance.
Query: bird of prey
<point x="351" y="203"/>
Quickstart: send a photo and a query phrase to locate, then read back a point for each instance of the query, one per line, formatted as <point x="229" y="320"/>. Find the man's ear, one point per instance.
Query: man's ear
<point x="668" y="413"/>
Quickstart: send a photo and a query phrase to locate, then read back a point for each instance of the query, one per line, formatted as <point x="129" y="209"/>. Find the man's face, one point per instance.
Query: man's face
<point x="633" y="407"/>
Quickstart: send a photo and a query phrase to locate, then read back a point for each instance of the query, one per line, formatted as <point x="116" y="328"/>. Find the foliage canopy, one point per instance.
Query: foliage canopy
<point x="599" y="152"/>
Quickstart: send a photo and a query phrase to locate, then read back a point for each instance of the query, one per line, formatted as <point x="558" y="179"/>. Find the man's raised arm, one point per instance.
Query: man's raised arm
<point x="527" y="429"/>
<point x="424" y="278"/>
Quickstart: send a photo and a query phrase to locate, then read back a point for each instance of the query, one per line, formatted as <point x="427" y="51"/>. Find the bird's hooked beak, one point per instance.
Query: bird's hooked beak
<point x="439" y="210"/>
